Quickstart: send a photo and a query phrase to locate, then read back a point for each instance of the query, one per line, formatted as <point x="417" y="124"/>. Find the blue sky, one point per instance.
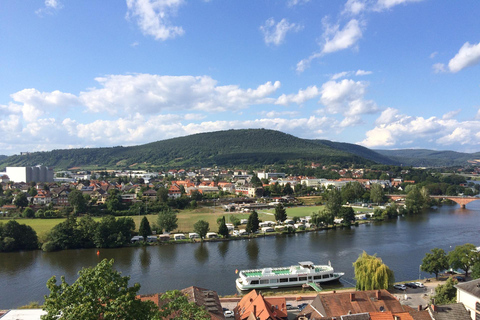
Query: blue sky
<point x="386" y="74"/>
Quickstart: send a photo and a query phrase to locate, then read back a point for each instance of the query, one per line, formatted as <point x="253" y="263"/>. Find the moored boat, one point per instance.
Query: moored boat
<point x="294" y="276"/>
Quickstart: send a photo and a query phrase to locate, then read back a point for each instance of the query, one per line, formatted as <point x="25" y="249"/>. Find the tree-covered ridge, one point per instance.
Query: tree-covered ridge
<point x="429" y="158"/>
<point x="222" y="148"/>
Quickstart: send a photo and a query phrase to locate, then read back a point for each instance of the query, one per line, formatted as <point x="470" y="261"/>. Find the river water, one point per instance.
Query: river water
<point x="401" y="244"/>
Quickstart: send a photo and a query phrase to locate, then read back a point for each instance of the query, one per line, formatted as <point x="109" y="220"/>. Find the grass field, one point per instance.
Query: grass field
<point x="186" y="218"/>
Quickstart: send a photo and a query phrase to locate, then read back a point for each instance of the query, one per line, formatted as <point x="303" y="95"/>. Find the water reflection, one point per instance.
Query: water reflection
<point x="70" y="261"/>
<point x="168" y="253"/>
<point x="12" y="262"/>
<point x="223" y="248"/>
<point x="252" y="250"/>
<point x="201" y="253"/>
<point x="281" y="243"/>
<point x="145" y="258"/>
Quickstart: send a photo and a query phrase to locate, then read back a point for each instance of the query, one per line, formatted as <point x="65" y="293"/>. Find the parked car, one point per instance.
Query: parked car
<point x="419" y="285"/>
<point x="411" y="285"/>
<point x="459" y="278"/>
<point x="290" y="306"/>
<point x="302" y="306"/>
<point x="400" y="286"/>
<point x="228" y="314"/>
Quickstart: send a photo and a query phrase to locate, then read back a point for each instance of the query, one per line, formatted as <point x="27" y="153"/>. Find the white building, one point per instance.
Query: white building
<point x="468" y="293"/>
<point x="29" y="174"/>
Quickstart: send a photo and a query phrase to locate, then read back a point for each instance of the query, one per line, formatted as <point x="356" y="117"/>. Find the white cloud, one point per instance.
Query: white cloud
<point x="387" y="4"/>
<point x="51" y="6"/>
<point x="346" y="97"/>
<point x="275" y="33"/>
<point x="354" y="7"/>
<point x="439" y="68"/>
<point x="152" y="16"/>
<point x="344" y="74"/>
<point x="335" y="39"/>
<point x="301" y="97"/>
<point x="363" y="73"/>
<point x="397" y="129"/>
<point x="150" y="94"/>
<point x="292" y="3"/>
<point x="467" y="56"/>
<point x="451" y="114"/>
<point x="433" y="54"/>
<point x="340" y="75"/>
<point x="277" y="114"/>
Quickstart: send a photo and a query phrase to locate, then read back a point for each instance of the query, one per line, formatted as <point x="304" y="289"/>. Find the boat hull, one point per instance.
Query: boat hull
<point x="243" y="287"/>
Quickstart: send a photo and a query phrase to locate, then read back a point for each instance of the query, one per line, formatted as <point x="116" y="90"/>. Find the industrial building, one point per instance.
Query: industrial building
<point x="29" y="174"/>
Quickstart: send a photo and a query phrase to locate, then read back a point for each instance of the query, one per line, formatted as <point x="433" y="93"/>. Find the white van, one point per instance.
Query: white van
<point x="179" y="236"/>
<point x="212" y="235"/>
<point x="193" y="235"/>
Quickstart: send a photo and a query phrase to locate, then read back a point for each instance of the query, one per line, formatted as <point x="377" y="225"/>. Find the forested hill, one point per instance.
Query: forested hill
<point x="430" y="158"/>
<point x="254" y="147"/>
<point x="358" y="150"/>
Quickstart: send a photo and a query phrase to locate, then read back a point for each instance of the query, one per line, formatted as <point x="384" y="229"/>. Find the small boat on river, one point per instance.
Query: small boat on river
<point x="294" y="276"/>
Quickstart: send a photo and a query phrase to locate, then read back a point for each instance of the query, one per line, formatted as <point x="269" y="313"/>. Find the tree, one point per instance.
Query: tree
<point x="113" y="201"/>
<point x="222" y="228"/>
<point x="435" y="262"/>
<point x="167" y="220"/>
<point x="280" y="212"/>
<point x="445" y="293"/>
<point x="63" y="236"/>
<point x="98" y="293"/>
<point x="476" y="270"/>
<point x="326" y="217"/>
<point x="28" y="213"/>
<point x="371" y="273"/>
<point x="113" y="233"/>
<point x="347" y="214"/>
<point x="21" y="200"/>
<point x="334" y="201"/>
<point x="201" y="227"/>
<point x="287" y="190"/>
<point x="252" y="222"/>
<point x="255" y="181"/>
<point x="463" y="257"/>
<point x="145" y="229"/>
<point x="177" y="304"/>
<point x="15" y="236"/>
<point x="376" y="193"/>
<point x="162" y="194"/>
<point x="77" y="201"/>
<point x="414" y="201"/>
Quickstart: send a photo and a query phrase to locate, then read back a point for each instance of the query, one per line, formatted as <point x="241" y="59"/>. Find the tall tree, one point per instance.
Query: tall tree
<point x="371" y="273"/>
<point x="463" y="257"/>
<point x="21" y="200"/>
<point x="334" y="201"/>
<point x="280" y="212"/>
<point x="252" y="222"/>
<point x="145" y="229"/>
<point x="222" y="228"/>
<point x="445" y="293"/>
<point x="347" y="214"/>
<point x="177" y="305"/>
<point x="201" y="227"/>
<point x="435" y="262"/>
<point x="376" y="193"/>
<point x="77" y="201"/>
<point x="98" y="293"/>
<point x="15" y="236"/>
<point x="167" y="220"/>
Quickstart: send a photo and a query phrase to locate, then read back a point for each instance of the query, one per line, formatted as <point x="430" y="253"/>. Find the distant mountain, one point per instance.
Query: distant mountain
<point x="430" y="158"/>
<point x="2" y="157"/>
<point x="254" y="147"/>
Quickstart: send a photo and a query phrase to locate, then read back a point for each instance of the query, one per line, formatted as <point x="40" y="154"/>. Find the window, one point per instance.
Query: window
<point x="293" y="279"/>
<point x="317" y="277"/>
<point x="274" y="281"/>
<point x="264" y="281"/>
<point x="302" y="279"/>
<point x="284" y="280"/>
<point x="326" y="276"/>
<point x="254" y="282"/>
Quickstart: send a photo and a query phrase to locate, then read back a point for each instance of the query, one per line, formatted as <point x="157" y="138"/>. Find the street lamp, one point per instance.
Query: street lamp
<point x="419" y="272"/>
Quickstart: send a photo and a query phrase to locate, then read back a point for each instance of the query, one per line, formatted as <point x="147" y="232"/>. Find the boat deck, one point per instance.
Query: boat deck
<point x="279" y="271"/>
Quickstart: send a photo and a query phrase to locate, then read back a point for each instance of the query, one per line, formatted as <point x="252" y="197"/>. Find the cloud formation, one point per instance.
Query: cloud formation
<point x="152" y="17"/>
<point x="467" y="56"/>
<point x="275" y="33"/>
<point x="51" y="6"/>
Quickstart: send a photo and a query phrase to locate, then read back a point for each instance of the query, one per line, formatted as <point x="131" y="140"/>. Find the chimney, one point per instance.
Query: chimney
<point x="352" y="296"/>
<point x="419" y="308"/>
<point x="434" y="308"/>
<point x="378" y="294"/>
<point x="396" y="317"/>
<point x="334" y="291"/>
<point x="255" y="311"/>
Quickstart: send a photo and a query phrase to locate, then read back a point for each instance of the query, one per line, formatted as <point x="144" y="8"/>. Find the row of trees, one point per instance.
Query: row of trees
<point x="15" y="237"/>
<point x="464" y="257"/>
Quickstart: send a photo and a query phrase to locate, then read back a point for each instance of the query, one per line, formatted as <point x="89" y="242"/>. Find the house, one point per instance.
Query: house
<point x="201" y="297"/>
<point x="150" y="194"/>
<point x="468" y="293"/>
<point x="255" y="306"/>
<point x="455" y="311"/>
<point x="42" y="197"/>
<point x="174" y="192"/>
<point x="358" y="302"/>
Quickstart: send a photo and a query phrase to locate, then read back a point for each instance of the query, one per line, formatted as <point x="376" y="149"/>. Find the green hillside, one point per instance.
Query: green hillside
<point x="430" y="158"/>
<point x="255" y="147"/>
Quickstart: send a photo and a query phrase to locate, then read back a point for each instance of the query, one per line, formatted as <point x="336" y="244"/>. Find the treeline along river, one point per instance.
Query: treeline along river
<point x="401" y="244"/>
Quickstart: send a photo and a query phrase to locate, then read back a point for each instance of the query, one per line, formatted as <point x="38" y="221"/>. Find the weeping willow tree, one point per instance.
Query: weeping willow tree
<point x="371" y="273"/>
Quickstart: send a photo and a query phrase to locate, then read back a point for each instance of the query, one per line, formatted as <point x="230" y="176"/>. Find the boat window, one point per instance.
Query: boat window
<point x="293" y="279"/>
<point x="264" y="281"/>
<point x="284" y="280"/>
<point x="254" y="282"/>
<point x="273" y="280"/>
<point x="317" y="277"/>
<point x="331" y="275"/>
<point x="326" y="276"/>
<point x="302" y="279"/>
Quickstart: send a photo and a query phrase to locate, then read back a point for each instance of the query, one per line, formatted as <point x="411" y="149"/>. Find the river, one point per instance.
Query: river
<point x="401" y="244"/>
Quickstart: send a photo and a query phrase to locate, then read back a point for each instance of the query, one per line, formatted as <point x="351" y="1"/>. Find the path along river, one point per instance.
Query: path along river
<point x="401" y="244"/>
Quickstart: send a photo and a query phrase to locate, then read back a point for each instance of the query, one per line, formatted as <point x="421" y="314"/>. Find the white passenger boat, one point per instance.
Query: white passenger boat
<point x="295" y="276"/>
